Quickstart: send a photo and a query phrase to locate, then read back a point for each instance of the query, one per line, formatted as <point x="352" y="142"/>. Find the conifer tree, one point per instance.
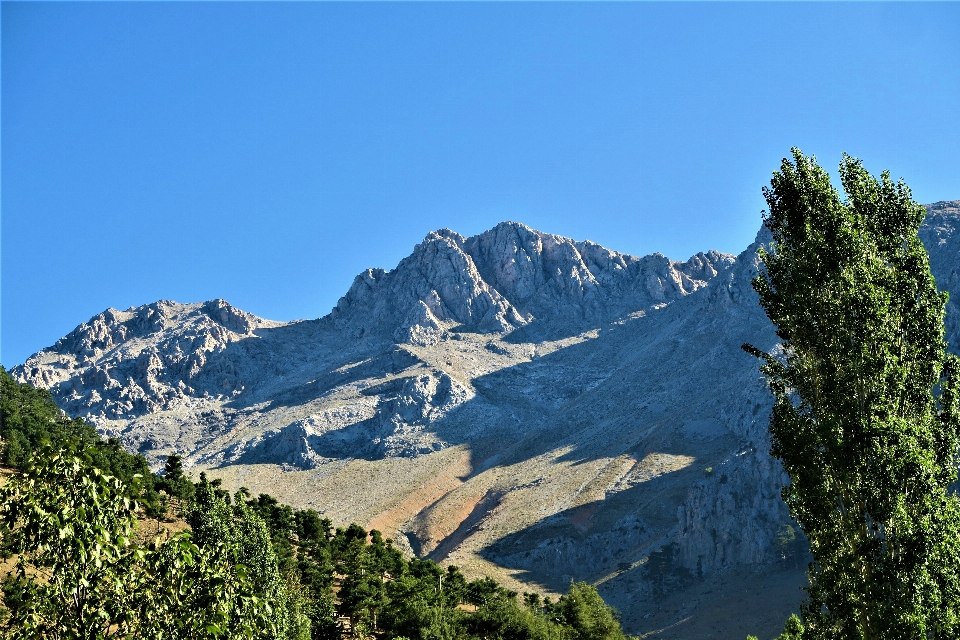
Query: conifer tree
<point x="590" y="617"/>
<point x="173" y="468"/>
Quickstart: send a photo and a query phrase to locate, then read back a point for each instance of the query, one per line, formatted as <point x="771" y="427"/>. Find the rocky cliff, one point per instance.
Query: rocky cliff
<point x="517" y="403"/>
<point x="509" y="277"/>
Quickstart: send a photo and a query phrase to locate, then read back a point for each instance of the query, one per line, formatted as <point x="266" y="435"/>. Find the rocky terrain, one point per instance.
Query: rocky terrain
<point x="516" y="403"/>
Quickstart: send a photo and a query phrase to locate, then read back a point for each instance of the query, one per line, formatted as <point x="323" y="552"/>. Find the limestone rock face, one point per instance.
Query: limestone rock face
<point x="511" y="276"/>
<point x="513" y="402"/>
<point x="146" y="359"/>
<point x="550" y="277"/>
<point x="729" y="518"/>
<point x="941" y="237"/>
<point x="438" y="282"/>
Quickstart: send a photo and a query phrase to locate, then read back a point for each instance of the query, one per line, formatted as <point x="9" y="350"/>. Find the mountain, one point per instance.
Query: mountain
<point x="516" y="403"/>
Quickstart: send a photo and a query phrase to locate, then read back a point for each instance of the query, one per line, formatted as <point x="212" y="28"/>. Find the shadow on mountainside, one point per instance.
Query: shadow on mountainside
<point x="611" y="401"/>
<point x="625" y="371"/>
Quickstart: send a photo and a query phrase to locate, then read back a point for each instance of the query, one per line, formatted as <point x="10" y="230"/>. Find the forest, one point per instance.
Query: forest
<point x="79" y="560"/>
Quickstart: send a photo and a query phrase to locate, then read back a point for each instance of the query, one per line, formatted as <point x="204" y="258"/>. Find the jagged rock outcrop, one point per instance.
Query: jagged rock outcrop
<point x="568" y="556"/>
<point x="511" y="276"/>
<point x="146" y="359"/>
<point x="549" y="277"/>
<point x="389" y="420"/>
<point x="729" y="518"/>
<point x="438" y="281"/>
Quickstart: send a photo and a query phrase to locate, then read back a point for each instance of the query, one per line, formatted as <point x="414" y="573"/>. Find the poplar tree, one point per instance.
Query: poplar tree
<point x="866" y="419"/>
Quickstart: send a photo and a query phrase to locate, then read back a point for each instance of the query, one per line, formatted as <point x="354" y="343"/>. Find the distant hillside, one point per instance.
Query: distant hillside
<point x="516" y="403"/>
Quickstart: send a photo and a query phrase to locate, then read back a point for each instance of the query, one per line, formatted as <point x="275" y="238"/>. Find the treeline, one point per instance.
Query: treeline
<point x="248" y="568"/>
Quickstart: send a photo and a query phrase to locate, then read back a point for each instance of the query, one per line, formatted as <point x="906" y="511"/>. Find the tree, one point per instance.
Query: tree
<point x="173" y="468"/>
<point x="174" y="481"/>
<point x="241" y="540"/>
<point x="590" y="617"/>
<point x="179" y="590"/>
<point x="31" y="421"/>
<point x="71" y="526"/>
<point x="792" y="629"/>
<point x="362" y="592"/>
<point x="29" y="416"/>
<point x="80" y="575"/>
<point x="869" y="446"/>
<point x="254" y="551"/>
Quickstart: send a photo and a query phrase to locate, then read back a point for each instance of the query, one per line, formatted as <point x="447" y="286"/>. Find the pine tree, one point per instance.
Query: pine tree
<point x="173" y="468"/>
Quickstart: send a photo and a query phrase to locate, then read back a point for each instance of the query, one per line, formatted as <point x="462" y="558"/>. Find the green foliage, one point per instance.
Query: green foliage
<point x="791" y="545"/>
<point x="501" y="617"/>
<point x="30" y="421"/>
<point x="242" y="541"/>
<point x="183" y="591"/>
<point x="211" y="519"/>
<point x="323" y="619"/>
<point x="869" y="448"/>
<point x="79" y="574"/>
<point x="255" y="552"/>
<point x="588" y="615"/>
<point x="29" y="417"/>
<point x="71" y="526"/>
<point x="174" y="482"/>
<point x="792" y="629"/>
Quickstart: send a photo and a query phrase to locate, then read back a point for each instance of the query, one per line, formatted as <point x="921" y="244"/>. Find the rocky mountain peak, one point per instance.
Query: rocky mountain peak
<point x="143" y="359"/>
<point x="509" y="277"/>
<point x="439" y="276"/>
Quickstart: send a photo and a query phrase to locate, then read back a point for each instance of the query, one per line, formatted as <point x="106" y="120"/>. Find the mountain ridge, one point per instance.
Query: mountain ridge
<point x="507" y="277"/>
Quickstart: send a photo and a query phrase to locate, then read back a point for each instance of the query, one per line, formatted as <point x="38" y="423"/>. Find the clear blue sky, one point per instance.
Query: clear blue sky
<point x="267" y="153"/>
